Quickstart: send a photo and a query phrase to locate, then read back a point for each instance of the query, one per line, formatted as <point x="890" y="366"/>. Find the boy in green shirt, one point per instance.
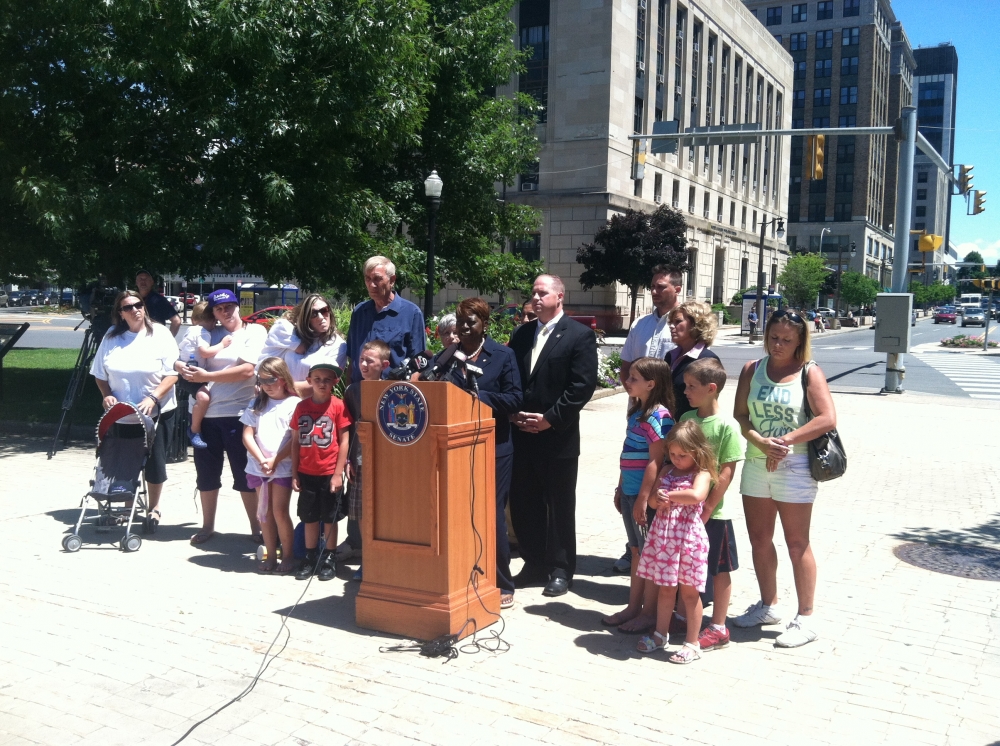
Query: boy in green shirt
<point x="703" y="380"/>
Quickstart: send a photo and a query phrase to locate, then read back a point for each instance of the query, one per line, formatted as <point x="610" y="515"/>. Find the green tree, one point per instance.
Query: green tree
<point x="921" y="294"/>
<point x="630" y="245"/>
<point x="858" y="289"/>
<point x="973" y="273"/>
<point x="289" y="140"/>
<point x="939" y="293"/>
<point x="802" y="278"/>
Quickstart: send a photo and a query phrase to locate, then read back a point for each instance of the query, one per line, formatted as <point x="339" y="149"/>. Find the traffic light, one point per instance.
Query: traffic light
<point x="987" y="283"/>
<point x="964" y="179"/>
<point x="639" y="160"/>
<point x="815" y="145"/>
<point x="979" y="202"/>
<point x="930" y="242"/>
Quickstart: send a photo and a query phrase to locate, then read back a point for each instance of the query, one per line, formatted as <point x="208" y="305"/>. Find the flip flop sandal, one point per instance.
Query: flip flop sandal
<point x="506" y="600"/>
<point x="201" y="537"/>
<point x="606" y="621"/>
<point x="638" y="631"/>
<point x="689" y="652"/>
<point x="651" y="643"/>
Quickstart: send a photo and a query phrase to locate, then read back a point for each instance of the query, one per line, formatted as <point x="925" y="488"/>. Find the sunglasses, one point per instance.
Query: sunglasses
<point x="790" y="315"/>
<point x="267" y="381"/>
<point x="130" y="307"/>
<point x="317" y="312"/>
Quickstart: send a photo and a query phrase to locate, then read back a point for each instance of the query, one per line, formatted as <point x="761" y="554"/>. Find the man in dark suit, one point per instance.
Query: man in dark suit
<point x="557" y="362"/>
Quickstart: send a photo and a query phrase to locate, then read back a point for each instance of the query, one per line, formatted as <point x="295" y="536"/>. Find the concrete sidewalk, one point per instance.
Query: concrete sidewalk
<point x="106" y="648"/>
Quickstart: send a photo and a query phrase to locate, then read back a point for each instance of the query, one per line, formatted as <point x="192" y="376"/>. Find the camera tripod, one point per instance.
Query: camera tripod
<point x="91" y="339"/>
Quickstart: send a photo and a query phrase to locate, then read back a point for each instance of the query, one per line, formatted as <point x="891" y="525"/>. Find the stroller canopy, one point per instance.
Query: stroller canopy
<point x="120" y="411"/>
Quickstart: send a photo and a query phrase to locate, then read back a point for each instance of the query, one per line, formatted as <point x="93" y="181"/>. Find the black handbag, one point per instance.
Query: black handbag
<point x="827" y="458"/>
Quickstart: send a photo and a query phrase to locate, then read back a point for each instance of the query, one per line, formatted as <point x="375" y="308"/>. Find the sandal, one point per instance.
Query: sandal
<point x="154" y="519"/>
<point x="201" y="537"/>
<point x="637" y="626"/>
<point x="687" y="653"/>
<point x="615" y="619"/>
<point x="267" y="567"/>
<point x="506" y="600"/>
<point x="651" y="643"/>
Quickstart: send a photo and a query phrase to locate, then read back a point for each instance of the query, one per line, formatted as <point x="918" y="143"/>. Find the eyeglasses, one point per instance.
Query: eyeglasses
<point x="267" y="381"/>
<point x="790" y="315"/>
<point x="317" y="312"/>
<point x="130" y="307"/>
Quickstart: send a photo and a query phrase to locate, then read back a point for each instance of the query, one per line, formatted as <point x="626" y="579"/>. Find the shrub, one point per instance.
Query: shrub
<point x="608" y="368"/>
<point x="966" y="343"/>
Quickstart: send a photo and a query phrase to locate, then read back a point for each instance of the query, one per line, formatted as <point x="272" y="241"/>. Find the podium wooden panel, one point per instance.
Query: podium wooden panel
<point x="428" y="516"/>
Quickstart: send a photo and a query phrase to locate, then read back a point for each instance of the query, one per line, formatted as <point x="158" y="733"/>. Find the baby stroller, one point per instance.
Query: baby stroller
<point x="118" y="486"/>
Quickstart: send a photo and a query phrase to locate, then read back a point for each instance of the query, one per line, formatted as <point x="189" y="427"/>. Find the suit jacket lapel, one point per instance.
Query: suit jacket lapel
<point x="555" y="336"/>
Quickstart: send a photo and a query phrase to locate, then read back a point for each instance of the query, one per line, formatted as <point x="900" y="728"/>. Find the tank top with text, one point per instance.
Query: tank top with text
<point x="775" y="408"/>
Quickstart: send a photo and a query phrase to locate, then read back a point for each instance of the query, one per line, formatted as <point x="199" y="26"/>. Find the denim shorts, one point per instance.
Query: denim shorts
<point x="224" y="436"/>
<point x="633" y="530"/>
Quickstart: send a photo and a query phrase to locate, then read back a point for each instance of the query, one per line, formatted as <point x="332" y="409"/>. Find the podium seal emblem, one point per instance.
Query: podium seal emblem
<point x="402" y="413"/>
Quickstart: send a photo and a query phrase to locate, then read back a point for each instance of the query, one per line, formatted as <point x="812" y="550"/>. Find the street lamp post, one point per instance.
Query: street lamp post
<point x="760" y="273"/>
<point x="432" y="189"/>
<point x="840" y="271"/>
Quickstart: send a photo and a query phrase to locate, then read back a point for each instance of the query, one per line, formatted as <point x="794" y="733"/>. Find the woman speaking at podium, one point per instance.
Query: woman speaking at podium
<point x="499" y="388"/>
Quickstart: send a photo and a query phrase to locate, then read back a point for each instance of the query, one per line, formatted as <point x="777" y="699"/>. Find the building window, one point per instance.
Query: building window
<point x="845" y="182"/>
<point x="799" y="42"/>
<point x="919" y="227"/>
<point x="732" y="213"/>
<point x="798" y="124"/>
<point x="800" y="13"/>
<point x="845" y="150"/>
<point x="848" y="65"/>
<point x="824" y="39"/>
<point x="824" y="10"/>
<point x="534" y="81"/>
<point x="824" y="68"/>
<point x="851" y="8"/>
<point x="778" y="38"/>
<point x="800" y="70"/>
<point x="921" y="194"/>
<point x="774" y="16"/>
<point x="921" y="211"/>
<point x="743" y="218"/>
<point x="530" y="248"/>
<point x="921" y="177"/>
<point x="821" y="121"/>
<point x="817" y="213"/>
<point x="637" y="116"/>
<point x="821" y="97"/>
<point x="848" y="121"/>
<point x="691" y="200"/>
<point x="798" y="99"/>
<point x="850" y="36"/>
<point x="849" y="94"/>
<point x="658" y="188"/>
<point x="842" y="211"/>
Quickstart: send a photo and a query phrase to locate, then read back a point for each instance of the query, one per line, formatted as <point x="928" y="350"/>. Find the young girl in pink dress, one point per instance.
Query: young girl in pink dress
<point x="676" y="550"/>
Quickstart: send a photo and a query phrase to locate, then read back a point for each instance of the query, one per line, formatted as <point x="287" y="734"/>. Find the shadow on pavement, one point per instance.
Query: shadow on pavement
<point x="985" y="534"/>
<point x="617" y="646"/>
<point x="603" y="593"/>
<point x="567" y="615"/>
<point x="335" y="610"/>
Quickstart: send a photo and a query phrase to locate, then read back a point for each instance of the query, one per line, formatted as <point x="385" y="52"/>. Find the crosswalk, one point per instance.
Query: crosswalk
<point x="978" y="377"/>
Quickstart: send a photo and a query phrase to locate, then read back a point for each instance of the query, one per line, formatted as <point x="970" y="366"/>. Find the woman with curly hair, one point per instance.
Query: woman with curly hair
<point x="305" y="336"/>
<point x="693" y="326"/>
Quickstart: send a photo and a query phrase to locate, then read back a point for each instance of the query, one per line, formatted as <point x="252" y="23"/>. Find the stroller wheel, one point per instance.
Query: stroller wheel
<point x="131" y="543"/>
<point x="72" y="543"/>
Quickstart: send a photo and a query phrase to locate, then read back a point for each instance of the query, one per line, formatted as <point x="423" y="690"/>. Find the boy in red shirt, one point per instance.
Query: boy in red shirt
<point x="320" y="439"/>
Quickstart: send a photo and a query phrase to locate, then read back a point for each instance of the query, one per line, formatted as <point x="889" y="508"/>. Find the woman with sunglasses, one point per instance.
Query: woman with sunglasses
<point x="135" y="363"/>
<point x="305" y="336"/>
<point x="776" y="482"/>
<point x="231" y="373"/>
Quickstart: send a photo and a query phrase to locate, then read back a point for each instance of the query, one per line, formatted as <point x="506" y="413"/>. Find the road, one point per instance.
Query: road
<point x="46" y="330"/>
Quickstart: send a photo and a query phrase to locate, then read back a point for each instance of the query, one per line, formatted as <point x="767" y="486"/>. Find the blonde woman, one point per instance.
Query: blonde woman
<point x="693" y="326"/>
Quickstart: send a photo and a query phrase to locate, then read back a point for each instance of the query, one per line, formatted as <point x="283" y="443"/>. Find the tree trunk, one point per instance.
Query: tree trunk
<point x="634" y="290"/>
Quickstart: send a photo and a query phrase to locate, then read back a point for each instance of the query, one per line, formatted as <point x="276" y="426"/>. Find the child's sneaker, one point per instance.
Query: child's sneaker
<point x="196" y="439"/>
<point x="757" y="615"/>
<point x="798" y="633"/>
<point x="327" y="568"/>
<point x="306" y="566"/>
<point x="713" y="639"/>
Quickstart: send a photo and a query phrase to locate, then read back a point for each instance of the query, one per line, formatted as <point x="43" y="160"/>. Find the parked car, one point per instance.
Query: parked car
<point x="189" y="298"/>
<point x="15" y="298"/>
<point x="67" y="297"/>
<point x="46" y="297"/>
<point x="4" y="299"/>
<point x="176" y="302"/>
<point x="973" y="316"/>
<point x="266" y="315"/>
<point x="826" y="311"/>
<point x="945" y="315"/>
<point x="31" y="297"/>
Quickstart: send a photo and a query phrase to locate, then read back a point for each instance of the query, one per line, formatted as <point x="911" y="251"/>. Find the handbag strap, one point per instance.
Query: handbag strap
<point x="805" y="389"/>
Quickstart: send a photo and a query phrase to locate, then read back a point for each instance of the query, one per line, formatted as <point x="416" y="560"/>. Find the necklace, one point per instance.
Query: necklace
<point x="479" y="349"/>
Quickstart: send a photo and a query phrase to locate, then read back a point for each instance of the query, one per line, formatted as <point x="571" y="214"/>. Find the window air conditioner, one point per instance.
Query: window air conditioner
<point x="641" y="66"/>
<point x="529" y="187"/>
<point x="642" y="4"/>
<point x="711" y="59"/>
<point x="677" y="90"/>
<point x="694" y="101"/>
<point x="680" y="34"/>
<point x="659" y="79"/>
<point x="676" y="203"/>
<point x="657" y="198"/>
<point x="696" y="46"/>
<point x="705" y="214"/>
<point x="720" y="217"/>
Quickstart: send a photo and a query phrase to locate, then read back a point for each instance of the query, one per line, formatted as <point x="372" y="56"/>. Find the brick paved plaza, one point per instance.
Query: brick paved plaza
<point x="110" y="648"/>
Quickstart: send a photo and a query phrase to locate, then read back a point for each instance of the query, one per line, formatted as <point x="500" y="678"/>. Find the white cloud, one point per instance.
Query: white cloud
<point x="990" y="251"/>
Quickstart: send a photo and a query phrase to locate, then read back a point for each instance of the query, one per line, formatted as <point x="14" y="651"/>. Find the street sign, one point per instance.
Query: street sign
<point x="659" y="147"/>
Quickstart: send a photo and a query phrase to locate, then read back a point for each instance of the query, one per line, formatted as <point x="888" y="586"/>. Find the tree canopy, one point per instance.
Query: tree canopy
<point x="858" y="289"/>
<point x="630" y="245"/>
<point x="802" y="278"/>
<point x="289" y="139"/>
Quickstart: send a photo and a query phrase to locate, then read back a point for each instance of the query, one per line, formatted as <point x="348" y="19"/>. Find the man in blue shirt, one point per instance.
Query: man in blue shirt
<point x="385" y="316"/>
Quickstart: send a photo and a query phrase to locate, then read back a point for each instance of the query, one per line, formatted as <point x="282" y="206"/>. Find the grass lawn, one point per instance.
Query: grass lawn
<point x="34" y="384"/>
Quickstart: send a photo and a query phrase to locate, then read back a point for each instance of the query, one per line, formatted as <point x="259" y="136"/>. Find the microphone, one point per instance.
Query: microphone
<point x="409" y="366"/>
<point x="443" y="365"/>
<point x="472" y="374"/>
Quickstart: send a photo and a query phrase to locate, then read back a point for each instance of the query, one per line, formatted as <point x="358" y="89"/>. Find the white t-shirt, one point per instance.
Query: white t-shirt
<point x="230" y="399"/>
<point x="134" y="364"/>
<point x="272" y="428"/>
<point x="283" y="340"/>
<point x="189" y="344"/>
<point x="649" y="337"/>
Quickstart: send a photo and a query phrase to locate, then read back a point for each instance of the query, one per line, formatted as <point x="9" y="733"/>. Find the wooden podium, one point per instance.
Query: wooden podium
<point x="428" y="510"/>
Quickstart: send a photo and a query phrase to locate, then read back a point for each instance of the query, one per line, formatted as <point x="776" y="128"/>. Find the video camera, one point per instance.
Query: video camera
<point x="96" y="304"/>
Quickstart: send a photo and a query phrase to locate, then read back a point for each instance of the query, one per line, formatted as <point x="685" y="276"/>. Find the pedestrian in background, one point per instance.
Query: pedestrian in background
<point x="158" y="308"/>
<point x="752" y="321"/>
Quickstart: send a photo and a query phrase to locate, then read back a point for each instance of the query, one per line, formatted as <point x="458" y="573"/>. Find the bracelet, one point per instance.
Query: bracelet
<point x="154" y="398"/>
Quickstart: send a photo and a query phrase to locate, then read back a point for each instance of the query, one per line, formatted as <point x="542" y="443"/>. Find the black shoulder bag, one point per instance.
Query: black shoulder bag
<point x="827" y="459"/>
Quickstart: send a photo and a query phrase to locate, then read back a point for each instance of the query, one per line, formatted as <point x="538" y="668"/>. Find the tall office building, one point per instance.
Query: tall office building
<point x="852" y="68"/>
<point x="935" y="93"/>
<point x="606" y="70"/>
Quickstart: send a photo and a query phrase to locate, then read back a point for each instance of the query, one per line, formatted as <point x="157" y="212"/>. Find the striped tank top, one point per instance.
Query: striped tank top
<point x="775" y="408"/>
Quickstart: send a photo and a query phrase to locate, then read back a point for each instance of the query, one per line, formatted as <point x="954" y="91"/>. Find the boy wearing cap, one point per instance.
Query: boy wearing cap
<point x="320" y="442"/>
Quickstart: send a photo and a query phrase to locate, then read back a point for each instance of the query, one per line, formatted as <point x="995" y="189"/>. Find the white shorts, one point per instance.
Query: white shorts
<point x="791" y="482"/>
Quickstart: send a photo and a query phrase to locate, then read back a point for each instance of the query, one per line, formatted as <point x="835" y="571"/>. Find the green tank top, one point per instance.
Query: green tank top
<point x="775" y="408"/>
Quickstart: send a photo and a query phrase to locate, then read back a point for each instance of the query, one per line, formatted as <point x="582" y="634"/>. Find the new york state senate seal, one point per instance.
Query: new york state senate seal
<point x="402" y="413"/>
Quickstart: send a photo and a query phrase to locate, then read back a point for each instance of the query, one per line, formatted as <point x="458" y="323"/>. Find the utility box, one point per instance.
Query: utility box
<point x="893" y="315"/>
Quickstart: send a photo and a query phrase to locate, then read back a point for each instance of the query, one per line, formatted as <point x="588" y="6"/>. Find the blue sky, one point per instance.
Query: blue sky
<point x="966" y="24"/>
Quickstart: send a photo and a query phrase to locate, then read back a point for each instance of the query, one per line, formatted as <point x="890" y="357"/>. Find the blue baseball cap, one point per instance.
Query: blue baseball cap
<point x="218" y="297"/>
